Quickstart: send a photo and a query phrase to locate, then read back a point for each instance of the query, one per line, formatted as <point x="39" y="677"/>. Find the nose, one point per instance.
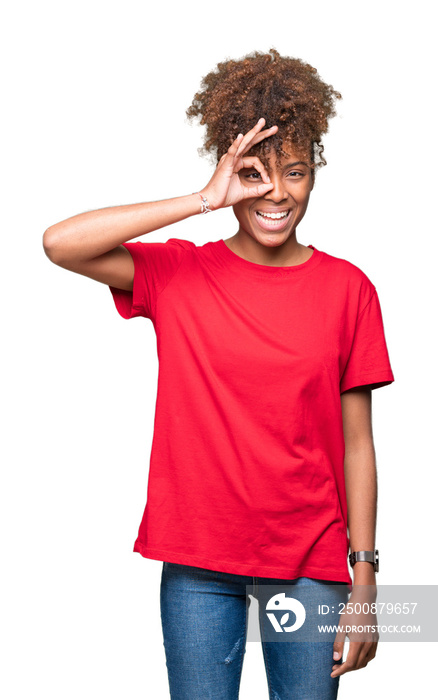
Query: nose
<point x="278" y="192"/>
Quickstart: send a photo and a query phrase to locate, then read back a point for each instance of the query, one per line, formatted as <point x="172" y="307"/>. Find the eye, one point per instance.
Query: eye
<point x="254" y="175"/>
<point x="296" y="173"/>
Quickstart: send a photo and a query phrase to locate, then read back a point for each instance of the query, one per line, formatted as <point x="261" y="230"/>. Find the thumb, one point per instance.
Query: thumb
<point x="338" y="645"/>
<point x="258" y="190"/>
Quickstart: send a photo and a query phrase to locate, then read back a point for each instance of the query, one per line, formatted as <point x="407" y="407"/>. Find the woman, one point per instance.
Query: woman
<point x="268" y="352"/>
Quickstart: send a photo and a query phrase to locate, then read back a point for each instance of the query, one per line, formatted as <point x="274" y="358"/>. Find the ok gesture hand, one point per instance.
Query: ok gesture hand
<point x="225" y="187"/>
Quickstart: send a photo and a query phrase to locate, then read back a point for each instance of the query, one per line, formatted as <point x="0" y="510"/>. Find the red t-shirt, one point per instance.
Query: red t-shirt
<point x="247" y="462"/>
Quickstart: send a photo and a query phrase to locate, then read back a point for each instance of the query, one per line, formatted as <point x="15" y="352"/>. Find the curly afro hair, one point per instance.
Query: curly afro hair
<point x="285" y="91"/>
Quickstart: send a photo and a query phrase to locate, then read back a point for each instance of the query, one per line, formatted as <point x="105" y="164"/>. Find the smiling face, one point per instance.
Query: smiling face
<point x="272" y="219"/>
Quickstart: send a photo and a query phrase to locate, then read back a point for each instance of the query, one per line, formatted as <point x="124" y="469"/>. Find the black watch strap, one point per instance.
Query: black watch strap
<point x="372" y="557"/>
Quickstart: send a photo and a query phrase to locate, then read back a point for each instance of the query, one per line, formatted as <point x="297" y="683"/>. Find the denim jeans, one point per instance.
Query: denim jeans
<point x="204" y="617"/>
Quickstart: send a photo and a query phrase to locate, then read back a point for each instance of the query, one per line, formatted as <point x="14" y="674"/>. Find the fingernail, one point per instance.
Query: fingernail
<point x="336" y="655"/>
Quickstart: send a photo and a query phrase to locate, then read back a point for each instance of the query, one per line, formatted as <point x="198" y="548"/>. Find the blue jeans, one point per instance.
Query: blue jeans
<point x="204" y="619"/>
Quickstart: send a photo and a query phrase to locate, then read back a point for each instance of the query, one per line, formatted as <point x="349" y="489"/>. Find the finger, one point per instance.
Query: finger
<point x="247" y="139"/>
<point x="232" y="149"/>
<point x="350" y="662"/>
<point x="373" y="651"/>
<point x="257" y="138"/>
<point x="367" y="654"/>
<point x="257" y="191"/>
<point x="263" y="134"/>
<point x="257" y="164"/>
<point x="340" y="669"/>
<point x="338" y="646"/>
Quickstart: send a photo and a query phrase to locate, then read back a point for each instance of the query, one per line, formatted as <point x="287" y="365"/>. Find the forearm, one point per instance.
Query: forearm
<point x="361" y="489"/>
<point x="93" y="233"/>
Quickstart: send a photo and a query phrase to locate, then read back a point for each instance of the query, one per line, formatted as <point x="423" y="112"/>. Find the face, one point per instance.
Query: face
<point x="272" y="219"/>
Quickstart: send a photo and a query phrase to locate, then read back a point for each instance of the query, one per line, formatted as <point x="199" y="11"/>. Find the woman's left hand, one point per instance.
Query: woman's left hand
<point x="358" y="615"/>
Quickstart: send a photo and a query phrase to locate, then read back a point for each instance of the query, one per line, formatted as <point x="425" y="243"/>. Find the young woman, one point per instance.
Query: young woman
<point x="268" y="352"/>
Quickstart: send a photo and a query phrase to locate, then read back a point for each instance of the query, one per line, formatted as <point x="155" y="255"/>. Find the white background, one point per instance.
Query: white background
<point x="94" y="99"/>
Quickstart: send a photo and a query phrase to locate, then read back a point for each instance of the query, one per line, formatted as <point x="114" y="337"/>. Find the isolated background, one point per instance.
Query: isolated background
<point x="94" y="99"/>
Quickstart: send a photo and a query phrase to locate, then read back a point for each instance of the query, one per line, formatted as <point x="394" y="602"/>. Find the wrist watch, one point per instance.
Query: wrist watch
<point x="372" y="557"/>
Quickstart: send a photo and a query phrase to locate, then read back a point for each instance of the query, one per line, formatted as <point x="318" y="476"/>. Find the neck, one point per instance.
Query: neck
<point x="268" y="252"/>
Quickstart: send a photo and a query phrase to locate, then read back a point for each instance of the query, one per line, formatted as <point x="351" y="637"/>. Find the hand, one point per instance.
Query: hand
<point x="225" y="188"/>
<point x="363" y="644"/>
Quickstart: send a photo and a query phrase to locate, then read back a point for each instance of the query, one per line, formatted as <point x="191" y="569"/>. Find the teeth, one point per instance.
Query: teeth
<point x="265" y="215"/>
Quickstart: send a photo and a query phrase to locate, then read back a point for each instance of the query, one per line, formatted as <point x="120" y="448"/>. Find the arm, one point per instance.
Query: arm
<point x="91" y="243"/>
<point x="360" y="477"/>
<point x="361" y="488"/>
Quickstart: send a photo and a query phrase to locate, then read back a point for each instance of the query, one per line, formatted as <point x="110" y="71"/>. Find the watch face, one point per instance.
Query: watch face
<point x="375" y="560"/>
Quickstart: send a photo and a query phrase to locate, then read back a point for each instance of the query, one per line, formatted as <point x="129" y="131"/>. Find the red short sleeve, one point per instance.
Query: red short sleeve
<point x="154" y="266"/>
<point x="368" y="362"/>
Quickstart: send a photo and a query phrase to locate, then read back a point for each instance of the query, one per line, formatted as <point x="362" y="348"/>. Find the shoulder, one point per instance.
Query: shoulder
<point x="172" y="249"/>
<point x="350" y="278"/>
<point x="346" y="269"/>
<point x="181" y="243"/>
<point x="156" y="262"/>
